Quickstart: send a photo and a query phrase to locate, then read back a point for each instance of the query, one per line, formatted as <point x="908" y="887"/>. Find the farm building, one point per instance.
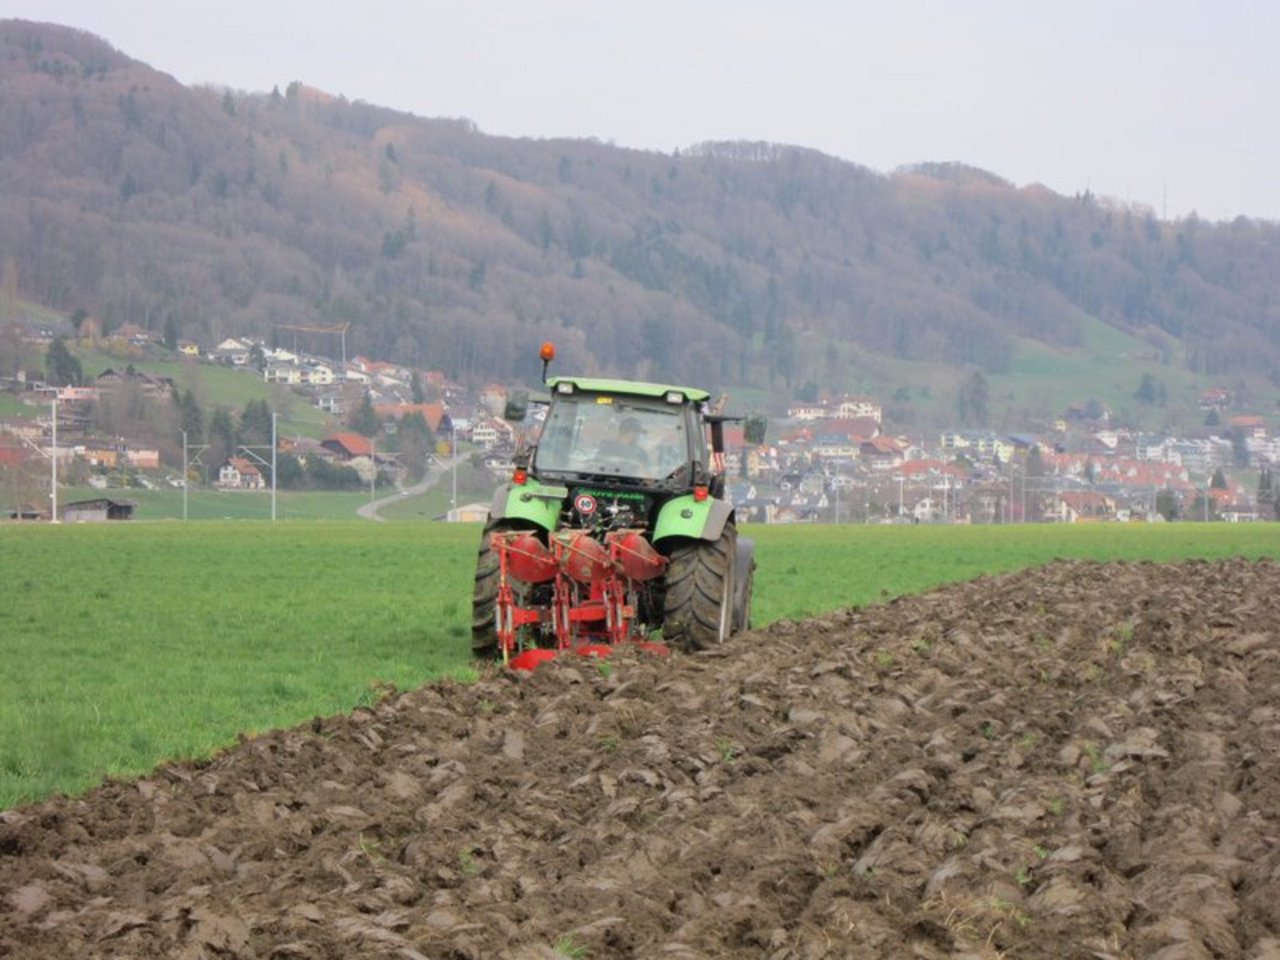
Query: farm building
<point x="98" y="509"/>
<point x="27" y="513"/>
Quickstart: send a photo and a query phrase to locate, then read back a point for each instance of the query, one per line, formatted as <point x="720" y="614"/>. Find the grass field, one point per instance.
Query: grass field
<point x="128" y="644"/>
<point x="209" y="503"/>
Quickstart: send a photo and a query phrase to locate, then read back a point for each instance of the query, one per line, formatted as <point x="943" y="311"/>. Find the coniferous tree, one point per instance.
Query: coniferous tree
<point x="416" y="443"/>
<point x="364" y="419"/>
<point x="255" y="423"/>
<point x="1146" y="391"/>
<point x="973" y="399"/>
<point x="1167" y="504"/>
<point x="191" y="417"/>
<point x="62" y="367"/>
<point x="222" y="436"/>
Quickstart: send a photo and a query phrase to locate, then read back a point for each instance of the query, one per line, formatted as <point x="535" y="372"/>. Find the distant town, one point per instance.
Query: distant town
<point x="833" y="460"/>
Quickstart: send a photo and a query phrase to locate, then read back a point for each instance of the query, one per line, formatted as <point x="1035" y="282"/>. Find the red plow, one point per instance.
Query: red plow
<point x="594" y="590"/>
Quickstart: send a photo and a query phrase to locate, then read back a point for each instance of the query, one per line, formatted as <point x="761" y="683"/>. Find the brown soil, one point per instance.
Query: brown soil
<point x="1081" y="760"/>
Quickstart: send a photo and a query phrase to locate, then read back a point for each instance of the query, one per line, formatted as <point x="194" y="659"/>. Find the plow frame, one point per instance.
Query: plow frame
<point x="590" y="613"/>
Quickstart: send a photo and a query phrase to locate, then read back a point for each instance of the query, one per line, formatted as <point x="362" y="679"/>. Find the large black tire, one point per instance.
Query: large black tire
<point x="698" y="605"/>
<point x="484" y="634"/>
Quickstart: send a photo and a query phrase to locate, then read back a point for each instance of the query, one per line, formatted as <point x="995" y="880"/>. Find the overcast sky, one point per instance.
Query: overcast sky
<point x="1168" y="103"/>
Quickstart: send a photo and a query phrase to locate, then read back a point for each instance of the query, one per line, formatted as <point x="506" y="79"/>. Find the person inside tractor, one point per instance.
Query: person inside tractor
<point x="626" y="444"/>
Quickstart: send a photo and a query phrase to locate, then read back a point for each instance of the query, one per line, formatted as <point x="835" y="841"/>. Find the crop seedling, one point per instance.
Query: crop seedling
<point x="566" y="946"/>
<point x="467" y="862"/>
<point x="1097" y="763"/>
<point x="1020" y="917"/>
<point x="726" y="750"/>
<point x="1120" y="642"/>
<point x="371" y="849"/>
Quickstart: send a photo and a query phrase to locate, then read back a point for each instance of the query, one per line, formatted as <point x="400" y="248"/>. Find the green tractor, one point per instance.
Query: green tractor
<point x="613" y="526"/>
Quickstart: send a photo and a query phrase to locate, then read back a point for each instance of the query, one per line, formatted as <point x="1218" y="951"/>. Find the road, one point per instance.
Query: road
<point x="436" y="470"/>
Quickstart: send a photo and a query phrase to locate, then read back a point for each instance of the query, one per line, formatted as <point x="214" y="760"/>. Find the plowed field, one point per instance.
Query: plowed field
<point x="1080" y="760"/>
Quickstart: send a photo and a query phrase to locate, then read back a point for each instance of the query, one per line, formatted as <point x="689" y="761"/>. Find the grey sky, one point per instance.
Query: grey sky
<point x="1168" y="104"/>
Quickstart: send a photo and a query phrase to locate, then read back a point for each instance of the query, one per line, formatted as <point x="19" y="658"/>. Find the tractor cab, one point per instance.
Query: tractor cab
<point x="642" y="434"/>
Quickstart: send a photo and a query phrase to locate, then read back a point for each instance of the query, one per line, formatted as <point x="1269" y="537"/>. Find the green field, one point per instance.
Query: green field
<point x="129" y="644"/>
<point x="209" y="503"/>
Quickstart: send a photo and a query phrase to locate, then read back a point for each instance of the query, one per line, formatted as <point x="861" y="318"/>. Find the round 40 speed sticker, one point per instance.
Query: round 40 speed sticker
<point x="585" y="504"/>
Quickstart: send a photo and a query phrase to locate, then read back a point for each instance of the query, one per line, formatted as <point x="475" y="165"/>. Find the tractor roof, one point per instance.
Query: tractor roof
<point x="635" y="388"/>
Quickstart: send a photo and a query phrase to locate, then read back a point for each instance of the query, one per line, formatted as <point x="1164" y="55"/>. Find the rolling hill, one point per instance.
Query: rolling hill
<point x="203" y="213"/>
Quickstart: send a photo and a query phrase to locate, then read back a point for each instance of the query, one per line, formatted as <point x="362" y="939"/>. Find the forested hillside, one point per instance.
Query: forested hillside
<point x="205" y="213"/>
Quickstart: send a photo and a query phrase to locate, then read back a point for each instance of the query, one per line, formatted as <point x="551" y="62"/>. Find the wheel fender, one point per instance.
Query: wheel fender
<point x="687" y="517"/>
<point x="538" y="504"/>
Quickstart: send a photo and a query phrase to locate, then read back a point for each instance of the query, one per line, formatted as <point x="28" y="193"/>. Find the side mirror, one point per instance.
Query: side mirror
<point x="517" y="407"/>
<point x="753" y="429"/>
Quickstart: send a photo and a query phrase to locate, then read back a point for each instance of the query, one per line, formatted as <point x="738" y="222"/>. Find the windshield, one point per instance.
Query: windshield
<point x="612" y="435"/>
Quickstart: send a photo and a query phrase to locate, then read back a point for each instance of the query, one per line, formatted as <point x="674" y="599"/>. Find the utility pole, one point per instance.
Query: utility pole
<point x="273" y="466"/>
<point x="186" y="468"/>
<point x="250" y="451"/>
<point x="53" y="459"/>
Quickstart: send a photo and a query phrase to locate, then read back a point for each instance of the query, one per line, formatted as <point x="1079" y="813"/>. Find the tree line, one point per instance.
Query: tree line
<point x="202" y="214"/>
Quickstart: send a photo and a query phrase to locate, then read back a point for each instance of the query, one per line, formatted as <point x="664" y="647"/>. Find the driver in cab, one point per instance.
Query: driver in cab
<point x="626" y="445"/>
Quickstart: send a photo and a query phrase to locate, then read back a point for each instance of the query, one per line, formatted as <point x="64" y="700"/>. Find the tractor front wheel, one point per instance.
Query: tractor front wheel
<point x="698" y="608"/>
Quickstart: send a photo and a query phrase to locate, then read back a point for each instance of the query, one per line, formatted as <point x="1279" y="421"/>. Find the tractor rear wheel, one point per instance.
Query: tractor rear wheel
<point x="484" y="632"/>
<point x="698" y="608"/>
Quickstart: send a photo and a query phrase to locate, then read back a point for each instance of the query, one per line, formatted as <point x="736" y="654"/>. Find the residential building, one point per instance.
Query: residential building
<point x="240" y="474"/>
